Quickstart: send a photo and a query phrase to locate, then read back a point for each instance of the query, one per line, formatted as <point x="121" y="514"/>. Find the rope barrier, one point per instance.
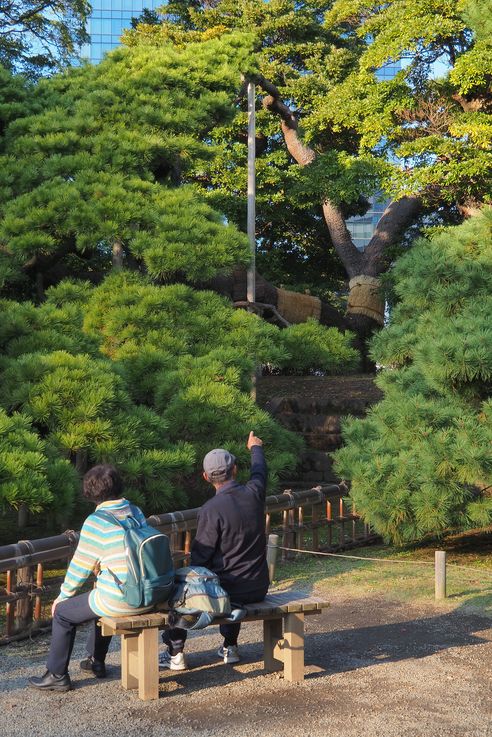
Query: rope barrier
<point x="386" y="560"/>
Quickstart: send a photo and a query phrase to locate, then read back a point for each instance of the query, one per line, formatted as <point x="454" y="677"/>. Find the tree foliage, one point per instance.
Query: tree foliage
<point x="30" y="473"/>
<point x="148" y="377"/>
<point x="334" y="128"/>
<point x="41" y="35"/>
<point x="421" y="462"/>
<point x="95" y="169"/>
<point x="436" y="127"/>
<point x="289" y="44"/>
<point x="125" y="361"/>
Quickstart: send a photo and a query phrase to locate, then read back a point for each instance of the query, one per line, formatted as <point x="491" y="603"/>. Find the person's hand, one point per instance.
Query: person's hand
<point x="253" y="440"/>
<point x="53" y="607"/>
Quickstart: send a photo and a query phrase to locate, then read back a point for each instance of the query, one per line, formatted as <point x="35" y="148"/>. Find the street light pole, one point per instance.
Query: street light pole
<point x="251" y="216"/>
<point x="251" y="209"/>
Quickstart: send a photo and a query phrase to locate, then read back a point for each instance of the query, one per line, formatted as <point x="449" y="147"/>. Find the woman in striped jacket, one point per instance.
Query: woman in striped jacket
<point x="100" y="548"/>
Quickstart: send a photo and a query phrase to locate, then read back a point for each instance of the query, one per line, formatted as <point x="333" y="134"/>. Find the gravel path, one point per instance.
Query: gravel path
<point x="373" y="668"/>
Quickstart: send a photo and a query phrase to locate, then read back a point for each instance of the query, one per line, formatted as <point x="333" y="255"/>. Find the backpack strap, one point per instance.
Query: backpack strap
<point x="113" y="519"/>
<point x="131" y="520"/>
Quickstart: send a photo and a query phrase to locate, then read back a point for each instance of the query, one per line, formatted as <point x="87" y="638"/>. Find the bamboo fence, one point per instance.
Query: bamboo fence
<point x="317" y="519"/>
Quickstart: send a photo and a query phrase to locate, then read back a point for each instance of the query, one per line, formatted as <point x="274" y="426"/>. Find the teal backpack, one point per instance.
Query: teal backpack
<point x="150" y="576"/>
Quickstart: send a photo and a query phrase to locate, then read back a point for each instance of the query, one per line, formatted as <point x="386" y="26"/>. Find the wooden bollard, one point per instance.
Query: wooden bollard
<point x="440" y="569"/>
<point x="272" y="551"/>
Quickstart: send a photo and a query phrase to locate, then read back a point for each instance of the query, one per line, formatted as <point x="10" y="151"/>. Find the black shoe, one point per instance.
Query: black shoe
<point x="51" y="682"/>
<point x="95" y="666"/>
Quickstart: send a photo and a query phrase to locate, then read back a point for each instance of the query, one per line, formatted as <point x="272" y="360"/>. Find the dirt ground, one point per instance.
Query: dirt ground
<point x="373" y="667"/>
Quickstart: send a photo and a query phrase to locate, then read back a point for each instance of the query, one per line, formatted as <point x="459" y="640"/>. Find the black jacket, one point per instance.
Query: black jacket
<point x="230" y="538"/>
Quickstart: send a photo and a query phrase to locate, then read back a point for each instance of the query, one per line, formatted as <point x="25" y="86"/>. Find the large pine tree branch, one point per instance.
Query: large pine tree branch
<point x="394" y="220"/>
<point x="350" y="256"/>
<point x="304" y="155"/>
<point x="397" y="216"/>
<point x="365" y="305"/>
<point x="472" y="104"/>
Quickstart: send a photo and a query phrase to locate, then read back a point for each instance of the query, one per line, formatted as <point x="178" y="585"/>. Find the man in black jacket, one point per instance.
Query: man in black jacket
<point x="230" y="540"/>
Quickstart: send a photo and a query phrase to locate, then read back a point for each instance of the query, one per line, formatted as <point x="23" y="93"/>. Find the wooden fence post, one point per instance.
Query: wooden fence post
<point x="440" y="569"/>
<point x="272" y="551"/>
<point x="24" y="607"/>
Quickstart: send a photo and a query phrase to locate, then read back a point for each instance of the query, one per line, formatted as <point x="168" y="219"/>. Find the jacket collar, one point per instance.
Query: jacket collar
<point x="227" y="486"/>
<point x="110" y="503"/>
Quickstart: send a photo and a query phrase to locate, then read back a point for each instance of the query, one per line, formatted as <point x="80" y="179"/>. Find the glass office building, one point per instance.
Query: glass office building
<point x="107" y="22"/>
<point x="362" y="227"/>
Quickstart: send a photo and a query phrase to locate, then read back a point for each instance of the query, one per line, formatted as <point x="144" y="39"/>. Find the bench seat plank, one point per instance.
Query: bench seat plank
<point x="281" y="602"/>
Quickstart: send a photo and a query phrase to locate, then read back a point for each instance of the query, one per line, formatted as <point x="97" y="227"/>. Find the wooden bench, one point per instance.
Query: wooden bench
<point x="282" y="614"/>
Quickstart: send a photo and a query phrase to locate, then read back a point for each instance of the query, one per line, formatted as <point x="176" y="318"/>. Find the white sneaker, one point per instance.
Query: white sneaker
<point x="229" y="654"/>
<point x="174" y="662"/>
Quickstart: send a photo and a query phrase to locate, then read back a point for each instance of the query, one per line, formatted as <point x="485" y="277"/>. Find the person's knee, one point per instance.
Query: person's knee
<point x="58" y="618"/>
<point x="61" y="616"/>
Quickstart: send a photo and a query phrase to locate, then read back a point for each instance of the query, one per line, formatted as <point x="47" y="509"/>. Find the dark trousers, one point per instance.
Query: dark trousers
<point x="175" y="638"/>
<point x="68" y="614"/>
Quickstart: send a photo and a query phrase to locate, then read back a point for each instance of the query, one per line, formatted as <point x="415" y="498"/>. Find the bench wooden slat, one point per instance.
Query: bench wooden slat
<point x="281" y="602"/>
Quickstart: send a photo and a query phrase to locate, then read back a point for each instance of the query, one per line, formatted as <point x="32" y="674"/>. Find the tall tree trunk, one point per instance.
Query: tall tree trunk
<point x="365" y="311"/>
<point x="40" y="286"/>
<point x="81" y="461"/>
<point x="22" y="516"/>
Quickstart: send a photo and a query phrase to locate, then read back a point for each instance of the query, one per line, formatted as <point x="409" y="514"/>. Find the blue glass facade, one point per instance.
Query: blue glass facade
<point x="108" y="20"/>
<point x="362" y="227"/>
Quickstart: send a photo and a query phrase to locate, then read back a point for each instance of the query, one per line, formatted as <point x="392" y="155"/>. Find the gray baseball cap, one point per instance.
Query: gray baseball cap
<point x="218" y="463"/>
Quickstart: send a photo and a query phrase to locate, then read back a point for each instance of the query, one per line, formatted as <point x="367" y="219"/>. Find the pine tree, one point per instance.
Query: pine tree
<point x="333" y="129"/>
<point x="421" y="462"/>
<point x="94" y="177"/>
<point x="148" y="377"/>
<point x="126" y="362"/>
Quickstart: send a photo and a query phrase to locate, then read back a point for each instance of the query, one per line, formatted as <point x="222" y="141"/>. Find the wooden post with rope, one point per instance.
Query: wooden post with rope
<point x="440" y="571"/>
<point x="272" y="552"/>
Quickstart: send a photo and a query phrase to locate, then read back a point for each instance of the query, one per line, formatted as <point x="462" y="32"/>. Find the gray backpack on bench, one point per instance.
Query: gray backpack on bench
<point x="198" y="598"/>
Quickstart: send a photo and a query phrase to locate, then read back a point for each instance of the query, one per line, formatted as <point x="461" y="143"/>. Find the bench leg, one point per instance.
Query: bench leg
<point x="129" y="654"/>
<point x="272" y="639"/>
<point x="293" y="650"/>
<point x="148" y="665"/>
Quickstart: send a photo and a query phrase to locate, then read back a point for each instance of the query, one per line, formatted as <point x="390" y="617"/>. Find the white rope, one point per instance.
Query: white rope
<point x="387" y="560"/>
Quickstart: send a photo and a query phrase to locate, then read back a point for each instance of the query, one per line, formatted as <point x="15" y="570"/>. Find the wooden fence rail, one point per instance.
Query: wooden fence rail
<point x="317" y="519"/>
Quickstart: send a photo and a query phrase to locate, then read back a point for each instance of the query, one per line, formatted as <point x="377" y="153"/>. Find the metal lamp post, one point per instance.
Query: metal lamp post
<point x="251" y="211"/>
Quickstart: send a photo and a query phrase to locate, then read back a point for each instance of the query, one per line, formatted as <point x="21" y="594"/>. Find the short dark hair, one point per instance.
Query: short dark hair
<point x="101" y="483"/>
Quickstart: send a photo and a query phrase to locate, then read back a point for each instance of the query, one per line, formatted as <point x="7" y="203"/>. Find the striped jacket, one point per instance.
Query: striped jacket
<point x="101" y="547"/>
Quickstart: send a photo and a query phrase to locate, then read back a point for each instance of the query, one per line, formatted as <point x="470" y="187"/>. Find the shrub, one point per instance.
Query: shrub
<point x="421" y="462"/>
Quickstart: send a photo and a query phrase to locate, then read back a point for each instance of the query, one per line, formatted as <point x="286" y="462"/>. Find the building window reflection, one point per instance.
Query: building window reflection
<point x="362" y="227"/>
<point x="108" y="20"/>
